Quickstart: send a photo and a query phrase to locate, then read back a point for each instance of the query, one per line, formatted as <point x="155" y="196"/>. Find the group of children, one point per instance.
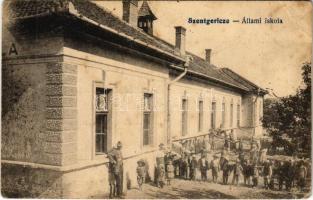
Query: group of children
<point x="164" y="169"/>
<point x="287" y="173"/>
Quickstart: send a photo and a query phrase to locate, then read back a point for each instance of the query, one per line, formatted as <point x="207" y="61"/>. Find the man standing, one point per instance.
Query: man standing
<point x="160" y="166"/>
<point x="215" y="168"/>
<point x="267" y="173"/>
<point x="193" y="168"/>
<point x="203" y="166"/>
<point x="225" y="168"/>
<point x="116" y="160"/>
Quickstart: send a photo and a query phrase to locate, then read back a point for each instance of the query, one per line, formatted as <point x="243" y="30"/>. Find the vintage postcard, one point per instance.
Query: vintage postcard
<point x="138" y="99"/>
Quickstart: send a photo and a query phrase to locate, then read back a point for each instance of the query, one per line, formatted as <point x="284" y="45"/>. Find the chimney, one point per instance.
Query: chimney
<point x="208" y="55"/>
<point x="130" y="11"/>
<point x="180" y="40"/>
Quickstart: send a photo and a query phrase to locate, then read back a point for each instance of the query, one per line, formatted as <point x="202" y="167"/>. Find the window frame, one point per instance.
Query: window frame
<point x="184" y="117"/>
<point x="260" y="110"/>
<point x="200" y="115"/>
<point x="110" y="115"/>
<point x="238" y="115"/>
<point x="149" y="112"/>
<point x="223" y="115"/>
<point x="213" y="115"/>
<point x="231" y="113"/>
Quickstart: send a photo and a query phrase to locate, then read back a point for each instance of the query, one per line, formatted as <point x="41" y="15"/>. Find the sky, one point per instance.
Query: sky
<point x="270" y="55"/>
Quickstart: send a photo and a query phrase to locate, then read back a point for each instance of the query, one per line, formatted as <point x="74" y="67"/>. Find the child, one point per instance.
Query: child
<point x="193" y="167"/>
<point x="255" y="176"/>
<point x="141" y="173"/>
<point x="112" y="180"/>
<point x="170" y="172"/>
<point x="161" y="175"/>
<point x="302" y="171"/>
<point x="237" y="172"/>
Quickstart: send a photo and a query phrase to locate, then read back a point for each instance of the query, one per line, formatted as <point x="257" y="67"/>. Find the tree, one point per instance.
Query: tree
<point x="288" y="119"/>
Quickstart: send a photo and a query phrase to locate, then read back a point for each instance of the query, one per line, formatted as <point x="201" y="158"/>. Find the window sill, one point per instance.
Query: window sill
<point x="146" y="148"/>
<point x="101" y="157"/>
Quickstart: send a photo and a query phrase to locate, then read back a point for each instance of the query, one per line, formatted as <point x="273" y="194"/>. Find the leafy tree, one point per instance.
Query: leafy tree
<point x="288" y="119"/>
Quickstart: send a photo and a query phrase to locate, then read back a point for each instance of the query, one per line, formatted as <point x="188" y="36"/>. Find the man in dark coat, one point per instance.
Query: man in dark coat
<point x="291" y="172"/>
<point x="193" y="168"/>
<point x="225" y="168"/>
<point x="203" y="167"/>
<point x="116" y="159"/>
<point x="281" y="174"/>
<point x="267" y="174"/>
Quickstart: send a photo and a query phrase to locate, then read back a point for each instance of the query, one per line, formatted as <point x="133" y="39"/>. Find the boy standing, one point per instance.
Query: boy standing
<point x="302" y="175"/>
<point x="169" y="172"/>
<point x="237" y="172"/>
<point x="141" y="173"/>
<point x="255" y="178"/>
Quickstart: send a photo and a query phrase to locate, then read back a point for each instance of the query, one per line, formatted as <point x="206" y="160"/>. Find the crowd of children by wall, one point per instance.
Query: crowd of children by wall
<point x="250" y="166"/>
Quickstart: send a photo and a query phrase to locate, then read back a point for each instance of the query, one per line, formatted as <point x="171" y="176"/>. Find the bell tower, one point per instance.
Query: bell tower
<point x="146" y="18"/>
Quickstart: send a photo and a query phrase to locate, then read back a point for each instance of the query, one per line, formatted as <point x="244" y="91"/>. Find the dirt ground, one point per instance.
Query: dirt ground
<point x="184" y="189"/>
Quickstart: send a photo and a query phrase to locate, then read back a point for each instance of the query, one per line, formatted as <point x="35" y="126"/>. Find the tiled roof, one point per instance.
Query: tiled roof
<point x="201" y="66"/>
<point x="145" y="10"/>
<point x="241" y="80"/>
<point x="33" y="8"/>
<point x="30" y="8"/>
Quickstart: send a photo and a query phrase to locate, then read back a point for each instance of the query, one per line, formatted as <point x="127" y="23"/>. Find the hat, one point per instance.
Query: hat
<point x="141" y="161"/>
<point x="119" y="144"/>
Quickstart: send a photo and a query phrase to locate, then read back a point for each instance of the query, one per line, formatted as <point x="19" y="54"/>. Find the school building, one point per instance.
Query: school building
<point x="77" y="79"/>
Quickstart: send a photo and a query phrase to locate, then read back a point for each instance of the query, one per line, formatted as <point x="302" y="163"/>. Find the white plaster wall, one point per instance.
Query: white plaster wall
<point x="129" y="83"/>
<point x="193" y="91"/>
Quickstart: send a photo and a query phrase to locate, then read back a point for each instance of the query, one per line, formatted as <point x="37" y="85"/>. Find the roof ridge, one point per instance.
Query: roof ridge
<point x="242" y="78"/>
<point x="246" y="80"/>
<point x="230" y="77"/>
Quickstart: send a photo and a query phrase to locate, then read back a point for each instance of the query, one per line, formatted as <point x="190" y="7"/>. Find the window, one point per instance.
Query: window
<point x="213" y="115"/>
<point x="260" y="110"/>
<point x="184" y="117"/>
<point x="200" y="123"/>
<point x="231" y="115"/>
<point x="223" y="115"/>
<point x="238" y="115"/>
<point x="147" y="120"/>
<point x="102" y="119"/>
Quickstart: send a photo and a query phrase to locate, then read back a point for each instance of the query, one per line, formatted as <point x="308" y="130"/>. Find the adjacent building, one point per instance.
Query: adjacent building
<point x="76" y="79"/>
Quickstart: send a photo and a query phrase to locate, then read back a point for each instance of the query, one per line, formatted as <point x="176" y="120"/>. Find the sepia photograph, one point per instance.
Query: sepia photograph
<point x="139" y="99"/>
